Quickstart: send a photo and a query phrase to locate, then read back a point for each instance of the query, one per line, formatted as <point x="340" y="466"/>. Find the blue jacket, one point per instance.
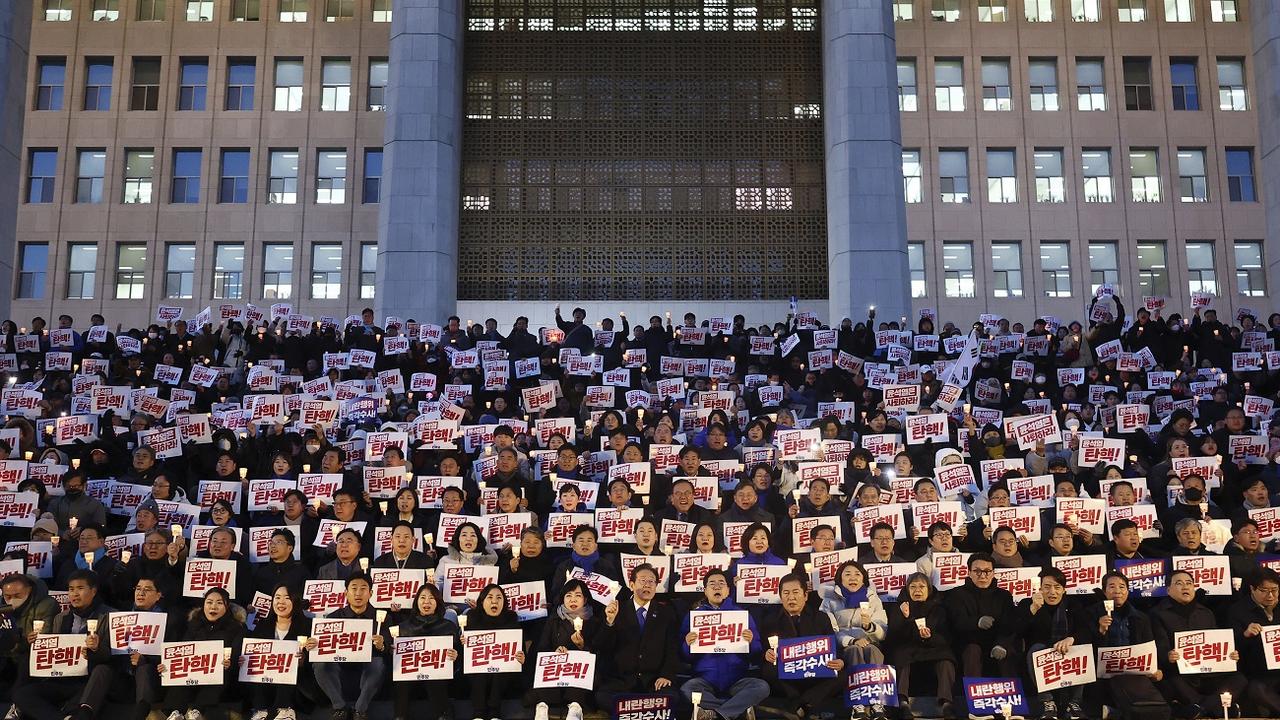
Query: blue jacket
<point x="721" y="670"/>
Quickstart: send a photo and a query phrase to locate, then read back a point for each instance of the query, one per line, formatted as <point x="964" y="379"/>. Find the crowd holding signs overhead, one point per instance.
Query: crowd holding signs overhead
<point x="265" y="511"/>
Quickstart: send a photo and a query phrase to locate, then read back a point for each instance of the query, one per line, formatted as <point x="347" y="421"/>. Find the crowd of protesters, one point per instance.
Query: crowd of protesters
<point x="952" y="501"/>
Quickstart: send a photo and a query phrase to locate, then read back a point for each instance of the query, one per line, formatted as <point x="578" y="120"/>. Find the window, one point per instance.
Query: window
<point x="283" y="187"/>
<point x="906" y="84"/>
<point x="957" y="270"/>
<point x="82" y="270"/>
<point x="1051" y="184"/>
<point x="180" y="272"/>
<point x="948" y="80"/>
<point x="1137" y="84"/>
<point x="912" y="177"/>
<point x="106" y="10"/>
<point x="97" y="83"/>
<point x="1104" y="265"/>
<point x="289" y="85"/>
<point x="996" y="95"/>
<point x="1193" y="186"/>
<point x="946" y="10"/>
<point x="91" y="175"/>
<point x="241" y="76"/>
<point x="1096" y="168"/>
<point x="1231" y="92"/>
<point x="58" y="10"/>
<point x="1144" y="175"/>
<point x="293" y="11"/>
<point x="228" y="272"/>
<point x="1055" y="269"/>
<point x="1250" y="278"/>
<point x="915" y="260"/>
<point x="33" y="265"/>
<point x="904" y="10"/>
<point x="131" y="272"/>
<point x="246" y="10"/>
<point x="233" y="182"/>
<point x="1006" y="268"/>
<point x="381" y="12"/>
<point x="1044" y="84"/>
<point x="52" y="80"/>
<point x="326" y="271"/>
<point x="1131" y="11"/>
<point x="145" y="93"/>
<point x="368" y="270"/>
<point x="372" y="175"/>
<point x="993" y="10"/>
<point x="1038" y="11"/>
<point x="953" y="175"/>
<point x="1202" y="275"/>
<point x="335" y="10"/>
<point x="186" y="176"/>
<point x="139" y="175"/>
<point x="1224" y="11"/>
<point x="1091" y="88"/>
<point x="1186" y="91"/>
<point x="1178" y="11"/>
<point x="335" y="93"/>
<point x="1240" y="186"/>
<point x="194" y="84"/>
<point x="331" y="177"/>
<point x="42" y="171"/>
<point x="1086" y="10"/>
<point x="277" y="271"/>
<point x="377" y="84"/>
<point x="1002" y="180"/>
<point x="151" y="10"/>
<point x="1153" y="271"/>
<point x="199" y="10"/>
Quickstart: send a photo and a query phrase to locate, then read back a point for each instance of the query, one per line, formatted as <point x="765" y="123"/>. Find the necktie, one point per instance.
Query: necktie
<point x="682" y="517"/>
<point x="640" y="618"/>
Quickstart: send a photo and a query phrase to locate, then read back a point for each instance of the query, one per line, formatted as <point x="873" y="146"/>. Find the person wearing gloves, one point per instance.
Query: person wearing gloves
<point x="427" y="616"/>
<point x="216" y="619"/>
<point x="724" y="681"/>
<point x="860" y="617"/>
<point x="286" y="620"/>
<point x="799" y="618"/>
<point x="80" y="698"/>
<point x="370" y="675"/>
<point x="577" y="624"/>
<point x="917" y="634"/>
<point x="982" y="621"/>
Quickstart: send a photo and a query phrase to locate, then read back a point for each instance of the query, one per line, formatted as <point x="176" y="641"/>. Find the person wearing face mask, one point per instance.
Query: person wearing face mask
<point x="232" y="349"/>
<point x="1191" y="695"/>
<point x="1194" y="502"/>
<point x="75" y="503"/>
<point x="26" y="601"/>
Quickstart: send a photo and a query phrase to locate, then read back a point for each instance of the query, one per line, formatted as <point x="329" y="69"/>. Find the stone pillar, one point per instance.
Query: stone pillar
<point x="866" y="217"/>
<point x="421" y="203"/>
<point x="15" y="32"/>
<point x="1265" y="17"/>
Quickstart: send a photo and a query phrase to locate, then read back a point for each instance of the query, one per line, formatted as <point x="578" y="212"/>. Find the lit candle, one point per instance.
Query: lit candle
<point x="1109" y="606"/>
<point x="126" y="556"/>
<point x="364" y="564"/>
<point x="462" y="622"/>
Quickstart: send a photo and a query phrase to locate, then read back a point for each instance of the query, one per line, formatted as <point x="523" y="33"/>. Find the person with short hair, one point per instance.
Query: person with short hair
<point x="332" y="677"/>
<point x="1181" y="611"/>
<point x="728" y="687"/>
<point x="798" y="617"/>
<point x="1255" y="611"/>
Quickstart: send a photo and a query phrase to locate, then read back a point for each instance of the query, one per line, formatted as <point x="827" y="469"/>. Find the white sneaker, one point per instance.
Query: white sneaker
<point x="175" y="715"/>
<point x="286" y="714"/>
<point x="194" y="714"/>
<point x="542" y="712"/>
<point x="13" y="714"/>
<point x="574" y="713"/>
<point x="258" y="715"/>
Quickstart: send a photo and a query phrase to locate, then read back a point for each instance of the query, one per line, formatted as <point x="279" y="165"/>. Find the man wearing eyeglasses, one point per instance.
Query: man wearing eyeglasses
<point x="1251" y="617"/>
<point x="981" y="614"/>
<point x="645" y="659"/>
<point x="725" y="683"/>
<point x="1191" y="695"/>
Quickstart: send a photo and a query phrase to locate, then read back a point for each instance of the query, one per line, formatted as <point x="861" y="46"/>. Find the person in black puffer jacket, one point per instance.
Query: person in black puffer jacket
<point x="427" y="617"/>
<point x="286" y="621"/>
<point x="216" y="619"/>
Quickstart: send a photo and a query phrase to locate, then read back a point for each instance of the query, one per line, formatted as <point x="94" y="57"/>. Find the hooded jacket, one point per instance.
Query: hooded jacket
<point x="15" y="625"/>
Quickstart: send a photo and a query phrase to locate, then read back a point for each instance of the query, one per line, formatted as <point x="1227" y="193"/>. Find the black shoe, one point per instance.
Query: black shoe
<point x="1049" y="710"/>
<point x="1074" y="711"/>
<point x="1192" y="711"/>
<point x="878" y="713"/>
<point x="904" y="709"/>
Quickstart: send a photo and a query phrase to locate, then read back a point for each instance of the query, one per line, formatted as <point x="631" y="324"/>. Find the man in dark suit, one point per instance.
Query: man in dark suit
<point x="645" y="660"/>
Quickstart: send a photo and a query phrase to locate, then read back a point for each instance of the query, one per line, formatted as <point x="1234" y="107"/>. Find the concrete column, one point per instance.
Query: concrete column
<point x="418" y="218"/>
<point x="15" y="31"/>
<point x="866" y="217"/>
<point x="1265" y="17"/>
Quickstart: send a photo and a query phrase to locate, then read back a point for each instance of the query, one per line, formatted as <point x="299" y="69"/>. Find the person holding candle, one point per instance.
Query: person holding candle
<point x="216" y="619"/>
<point x="860" y="617"/>
<point x="348" y="546"/>
<point x="75" y="503"/>
<point x="1255" y="610"/>
<point x="285" y="620"/>
<point x="798" y="617"/>
<point x="90" y="554"/>
<point x="26" y="603"/>
<point x="80" y="698"/>
<point x="368" y="676"/>
<point x="585" y="555"/>
<point x="1181" y="611"/>
<point x="724" y="682"/>
<point x="577" y="623"/>
<point x="427" y="616"/>
<point x="644" y="658"/>
<point x="1115" y="622"/>
<point x="491" y="613"/>
<point x="917" y="633"/>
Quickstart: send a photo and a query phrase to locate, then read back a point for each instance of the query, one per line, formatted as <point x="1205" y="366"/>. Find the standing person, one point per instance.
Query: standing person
<point x="725" y="682"/>
<point x="216" y="619"/>
<point x="425" y="618"/>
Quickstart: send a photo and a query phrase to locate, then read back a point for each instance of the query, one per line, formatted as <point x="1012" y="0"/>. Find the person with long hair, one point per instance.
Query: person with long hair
<point x="577" y="624"/>
<point x="425" y="617"/>
<point x="917" y="634"/>
<point x="488" y="691"/>
<point x="859" y="614"/>
<point x="286" y="620"/>
<point x="216" y="619"/>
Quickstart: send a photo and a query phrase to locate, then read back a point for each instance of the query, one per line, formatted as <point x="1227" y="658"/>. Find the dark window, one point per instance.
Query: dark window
<point x="372" y="175"/>
<point x="145" y="94"/>
<point x="1137" y="84"/>
<point x="97" y="83"/>
<point x="186" y="176"/>
<point x="1186" y="92"/>
<point x="241" y="76"/>
<point x="42" y="171"/>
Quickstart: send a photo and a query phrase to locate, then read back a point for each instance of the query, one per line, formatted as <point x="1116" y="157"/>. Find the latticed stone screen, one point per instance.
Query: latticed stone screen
<point x="628" y="150"/>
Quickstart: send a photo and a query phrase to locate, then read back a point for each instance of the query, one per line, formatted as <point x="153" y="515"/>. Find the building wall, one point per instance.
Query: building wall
<point x="1123" y="221"/>
<point x="15" y="23"/>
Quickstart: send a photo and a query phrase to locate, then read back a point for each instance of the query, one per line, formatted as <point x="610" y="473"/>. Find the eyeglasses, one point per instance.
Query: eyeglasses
<point x="981" y="573"/>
